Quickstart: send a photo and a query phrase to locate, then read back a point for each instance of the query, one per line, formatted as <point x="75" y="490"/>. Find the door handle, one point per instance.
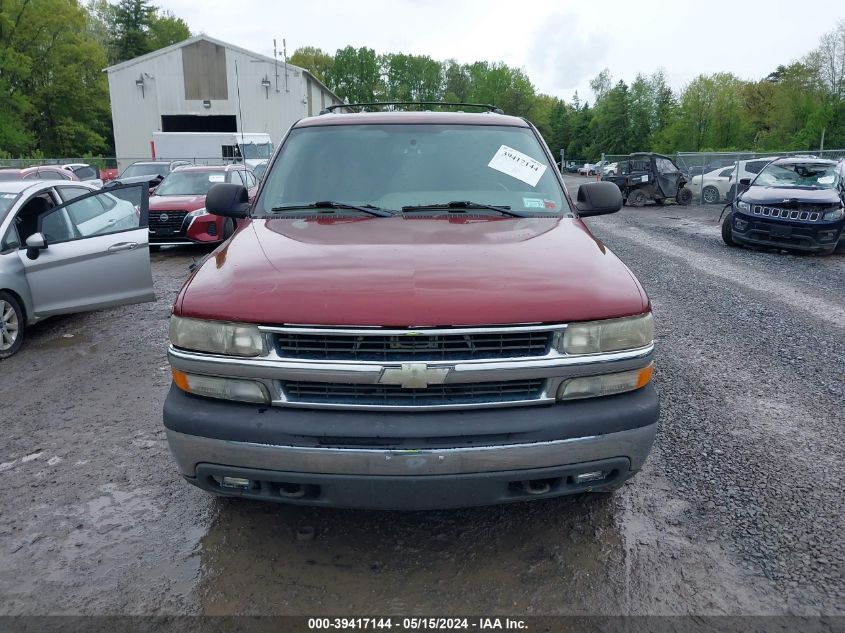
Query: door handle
<point x="123" y="246"/>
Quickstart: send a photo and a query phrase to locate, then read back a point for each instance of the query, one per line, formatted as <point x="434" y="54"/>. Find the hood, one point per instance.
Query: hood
<point x="783" y="195"/>
<point x="412" y="272"/>
<point x="176" y="203"/>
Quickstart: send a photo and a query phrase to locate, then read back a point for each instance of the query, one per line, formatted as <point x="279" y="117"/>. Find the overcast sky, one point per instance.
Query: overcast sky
<point x="561" y="45"/>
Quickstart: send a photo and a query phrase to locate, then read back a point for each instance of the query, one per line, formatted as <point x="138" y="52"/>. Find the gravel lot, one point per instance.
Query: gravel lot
<point x="739" y="510"/>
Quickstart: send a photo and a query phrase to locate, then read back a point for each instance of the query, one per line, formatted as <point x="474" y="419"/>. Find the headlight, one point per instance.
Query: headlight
<point x="605" y="385"/>
<point x="743" y="206"/>
<point x="834" y="215"/>
<point x="612" y="335"/>
<point x="217" y="337"/>
<point x="223" y="388"/>
<point x="196" y="214"/>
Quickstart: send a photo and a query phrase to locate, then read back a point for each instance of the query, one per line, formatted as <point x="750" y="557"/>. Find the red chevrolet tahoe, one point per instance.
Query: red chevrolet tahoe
<point x="412" y="314"/>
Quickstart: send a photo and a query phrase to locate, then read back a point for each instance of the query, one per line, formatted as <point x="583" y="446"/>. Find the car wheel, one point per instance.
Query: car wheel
<point x="727" y="237"/>
<point x="710" y="195"/>
<point x="659" y="201"/>
<point x="684" y="196"/>
<point x="12" y="325"/>
<point x="636" y="198"/>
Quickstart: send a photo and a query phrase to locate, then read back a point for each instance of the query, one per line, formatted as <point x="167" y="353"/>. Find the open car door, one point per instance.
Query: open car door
<point x="91" y="252"/>
<point x="668" y="176"/>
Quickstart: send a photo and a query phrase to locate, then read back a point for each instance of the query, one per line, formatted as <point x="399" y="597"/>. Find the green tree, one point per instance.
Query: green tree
<point x="165" y="29"/>
<point x="355" y="75"/>
<point x="54" y="94"/>
<point x="130" y="21"/>
<point x="411" y="77"/>
<point x="314" y="60"/>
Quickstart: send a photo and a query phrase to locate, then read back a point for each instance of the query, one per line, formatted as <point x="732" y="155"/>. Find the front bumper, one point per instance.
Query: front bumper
<point x="799" y="236"/>
<point x="410" y="460"/>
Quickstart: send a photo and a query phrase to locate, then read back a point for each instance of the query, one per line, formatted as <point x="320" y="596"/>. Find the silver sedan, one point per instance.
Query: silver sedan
<point x="69" y="247"/>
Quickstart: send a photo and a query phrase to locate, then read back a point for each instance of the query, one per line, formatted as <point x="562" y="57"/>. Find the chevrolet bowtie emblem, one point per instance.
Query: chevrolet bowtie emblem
<point x="414" y="376"/>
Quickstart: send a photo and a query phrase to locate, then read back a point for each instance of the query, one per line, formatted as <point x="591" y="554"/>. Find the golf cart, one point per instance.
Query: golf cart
<point x="646" y="176"/>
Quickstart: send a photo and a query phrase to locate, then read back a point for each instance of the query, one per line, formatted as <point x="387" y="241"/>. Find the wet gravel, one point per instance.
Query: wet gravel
<point x="739" y="509"/>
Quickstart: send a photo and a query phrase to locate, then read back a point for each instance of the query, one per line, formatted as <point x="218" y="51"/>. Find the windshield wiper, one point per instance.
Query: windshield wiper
<point x="462" y="205"/>
<point x="331" y="204"/>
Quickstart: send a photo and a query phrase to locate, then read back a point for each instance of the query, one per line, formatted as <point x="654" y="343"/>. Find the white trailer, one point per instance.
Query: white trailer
<point x="213" y="148"/>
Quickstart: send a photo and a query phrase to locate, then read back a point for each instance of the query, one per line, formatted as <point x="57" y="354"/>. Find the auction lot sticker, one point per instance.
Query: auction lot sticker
<point x="514" y="163"/>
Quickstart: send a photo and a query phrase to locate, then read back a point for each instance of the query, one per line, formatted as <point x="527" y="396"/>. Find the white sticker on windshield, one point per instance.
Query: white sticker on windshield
<point x="9" y="195"/>
<point x="644" y="178"/>
<point x="826" y="180"/>
<point x="514" y="163"/>
<point x="216" y="178"/>
<point x="533" y="203"/>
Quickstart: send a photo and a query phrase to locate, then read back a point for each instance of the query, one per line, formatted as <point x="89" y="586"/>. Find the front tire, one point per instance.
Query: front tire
<point x="710" y="195"/>
<point x="684" y="196"/>
<point x="12" y="325"/>
<point x="727" y="237"/>
<point x="636" y="198"/>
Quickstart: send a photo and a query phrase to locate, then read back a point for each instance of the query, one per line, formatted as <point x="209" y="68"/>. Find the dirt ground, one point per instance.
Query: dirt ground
<point x="739" y="510"/>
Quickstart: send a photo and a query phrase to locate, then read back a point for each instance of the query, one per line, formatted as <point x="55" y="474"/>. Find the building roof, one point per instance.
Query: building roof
<point x="202" y="37"/>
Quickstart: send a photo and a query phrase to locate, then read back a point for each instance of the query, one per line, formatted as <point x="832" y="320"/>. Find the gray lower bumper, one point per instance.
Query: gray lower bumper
<point x="191" y="450"/>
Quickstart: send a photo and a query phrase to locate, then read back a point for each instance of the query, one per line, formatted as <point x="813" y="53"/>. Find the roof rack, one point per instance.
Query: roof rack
<point x="485" y="106"/>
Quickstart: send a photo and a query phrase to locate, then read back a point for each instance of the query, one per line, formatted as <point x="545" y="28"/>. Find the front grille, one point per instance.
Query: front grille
<point x="805" y="215"/>
<point x="167" y="222"/>
<point x="395" y="395"/>
<point x="422" y="347"/>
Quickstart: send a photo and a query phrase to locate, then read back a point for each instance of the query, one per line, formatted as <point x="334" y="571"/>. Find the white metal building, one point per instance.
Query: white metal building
<point x="193" y="86"/>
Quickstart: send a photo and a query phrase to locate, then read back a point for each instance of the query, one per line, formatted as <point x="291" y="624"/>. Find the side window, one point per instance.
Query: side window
<point x="236" y="177"/>
<point x="755" y="166"/>
<point x="100" y="214"/>
<point x="32" y="176"/>
<point x="69" y="193"/>
<point x="53" y="174"/>
<point x="11" y="240"/>
<point x="665" y="166"/>
<point x="85" y="173"/>
<point x="250" y="179"/>
<point x="726" y="173"/>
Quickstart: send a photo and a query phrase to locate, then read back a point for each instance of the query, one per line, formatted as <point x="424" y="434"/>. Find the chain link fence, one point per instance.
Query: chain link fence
<point x="713" y="176"/>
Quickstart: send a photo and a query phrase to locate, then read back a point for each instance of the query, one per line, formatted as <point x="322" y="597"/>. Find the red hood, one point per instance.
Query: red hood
<point x="176" y="203"/>
<point x="412" y="272"/>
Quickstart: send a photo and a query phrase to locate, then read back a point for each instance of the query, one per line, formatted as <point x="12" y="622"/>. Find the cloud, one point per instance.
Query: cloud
<point x="566" y="54"/>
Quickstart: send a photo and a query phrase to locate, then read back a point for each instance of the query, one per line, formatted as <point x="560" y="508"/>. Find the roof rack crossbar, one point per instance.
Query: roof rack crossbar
<point x="486" y="106"/>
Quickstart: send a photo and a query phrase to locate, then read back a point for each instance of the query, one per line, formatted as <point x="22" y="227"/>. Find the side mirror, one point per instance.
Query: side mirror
<point x="228" y="200"/>
<point x="598" y="198"/>
<point x="34" y="244"/>
<point x="745" y="181"/>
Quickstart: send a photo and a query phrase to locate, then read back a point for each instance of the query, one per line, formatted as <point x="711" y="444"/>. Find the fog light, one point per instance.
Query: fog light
<point x="223" y="388"/>
<point x="583" y="478"/>
<point x="605" y="384"/>
<point x="236" y="482"/>
<point x="740" y="225"/>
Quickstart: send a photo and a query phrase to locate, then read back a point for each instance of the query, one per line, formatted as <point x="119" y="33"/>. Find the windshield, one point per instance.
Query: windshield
<point x="148" y="169"/>
<point x="256" y="150"/>
<point x="189" y="183"/>
<point x="811" y="175"/>
<point x="394" y="166"/>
